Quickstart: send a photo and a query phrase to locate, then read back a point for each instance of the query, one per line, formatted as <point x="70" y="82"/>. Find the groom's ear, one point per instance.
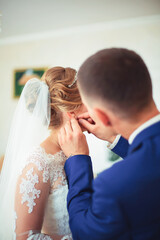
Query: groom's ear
<point x="103" y="117"/>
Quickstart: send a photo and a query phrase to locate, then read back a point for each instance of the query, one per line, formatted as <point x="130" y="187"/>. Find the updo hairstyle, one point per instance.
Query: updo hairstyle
<point x="63" y="97"/>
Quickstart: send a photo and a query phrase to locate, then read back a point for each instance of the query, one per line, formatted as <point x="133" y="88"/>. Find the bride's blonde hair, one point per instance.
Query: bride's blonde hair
<point x="64" y="96"/>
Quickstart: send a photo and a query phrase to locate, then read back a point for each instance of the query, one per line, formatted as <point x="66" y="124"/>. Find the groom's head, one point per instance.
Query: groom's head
<point x="118" y="80"/>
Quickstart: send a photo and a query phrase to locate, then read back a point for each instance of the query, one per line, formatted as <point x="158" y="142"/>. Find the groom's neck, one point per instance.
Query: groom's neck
<point x="128" y="127"/>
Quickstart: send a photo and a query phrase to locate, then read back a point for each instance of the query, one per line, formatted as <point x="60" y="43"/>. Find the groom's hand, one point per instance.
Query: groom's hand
<point x="101" y="132"/>
<point x="72" y="140"/>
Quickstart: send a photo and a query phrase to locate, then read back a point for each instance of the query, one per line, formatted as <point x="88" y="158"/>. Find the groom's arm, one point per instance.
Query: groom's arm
<point x="119" y="146"/>
<point x="94" y="213"/>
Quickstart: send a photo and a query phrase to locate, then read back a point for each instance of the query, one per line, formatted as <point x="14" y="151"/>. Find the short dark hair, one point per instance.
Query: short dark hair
<point x="119" y="77"/>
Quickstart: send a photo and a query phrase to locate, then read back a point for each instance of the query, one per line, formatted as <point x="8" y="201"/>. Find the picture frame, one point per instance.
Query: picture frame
<point x="21" y="76"/>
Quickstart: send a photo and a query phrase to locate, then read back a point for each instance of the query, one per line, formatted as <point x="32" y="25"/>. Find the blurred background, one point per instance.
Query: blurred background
<point x="37" y="34"/>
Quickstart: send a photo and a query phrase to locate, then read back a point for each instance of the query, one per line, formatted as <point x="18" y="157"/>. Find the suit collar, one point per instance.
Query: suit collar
<point x="151" y="131"/>
<point x="145" y="125"/>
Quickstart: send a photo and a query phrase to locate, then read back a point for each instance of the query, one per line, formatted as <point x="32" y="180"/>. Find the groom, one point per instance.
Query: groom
<point x="123" y="202"/>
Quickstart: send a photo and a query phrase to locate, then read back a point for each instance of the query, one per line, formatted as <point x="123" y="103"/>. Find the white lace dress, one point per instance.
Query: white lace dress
<point x="41" y="198"/>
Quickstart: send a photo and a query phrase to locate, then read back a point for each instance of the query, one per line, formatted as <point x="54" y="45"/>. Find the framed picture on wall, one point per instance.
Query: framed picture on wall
<point x="21" y="76"/>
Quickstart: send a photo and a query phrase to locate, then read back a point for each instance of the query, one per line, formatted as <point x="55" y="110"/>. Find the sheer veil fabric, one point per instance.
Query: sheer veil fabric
<point x="29" y="128"/>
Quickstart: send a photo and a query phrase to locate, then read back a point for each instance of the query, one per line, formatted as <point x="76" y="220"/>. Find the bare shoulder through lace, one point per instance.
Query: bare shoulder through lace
<point x="52" y="166"/>
<point x="41" y="168"/>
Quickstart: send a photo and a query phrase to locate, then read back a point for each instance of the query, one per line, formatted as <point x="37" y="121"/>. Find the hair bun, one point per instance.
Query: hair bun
<point x="62" y="97"/>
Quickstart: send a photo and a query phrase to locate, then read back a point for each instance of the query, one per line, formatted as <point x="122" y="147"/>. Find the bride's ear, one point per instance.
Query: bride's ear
<point x="70" y="114"/>
<point x="103" y="117"/>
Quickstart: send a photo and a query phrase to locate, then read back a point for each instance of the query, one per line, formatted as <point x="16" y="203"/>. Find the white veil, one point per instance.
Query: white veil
<point x="29" y="128"/>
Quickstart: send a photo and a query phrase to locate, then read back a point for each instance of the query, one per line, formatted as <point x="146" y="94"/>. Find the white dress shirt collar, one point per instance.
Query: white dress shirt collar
<point x="144" y="126"/>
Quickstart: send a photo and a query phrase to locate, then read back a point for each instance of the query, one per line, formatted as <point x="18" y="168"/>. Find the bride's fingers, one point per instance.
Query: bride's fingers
<point x="68" y="128"/>
<point x="75" y="125"/>
<point x="61" y="135"/>
<point x="62" y="132"/>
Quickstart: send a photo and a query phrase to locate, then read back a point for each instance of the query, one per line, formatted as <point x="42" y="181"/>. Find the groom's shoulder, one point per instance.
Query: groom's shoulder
<point x="117" y="179"/>
<point x="118" y="169"/>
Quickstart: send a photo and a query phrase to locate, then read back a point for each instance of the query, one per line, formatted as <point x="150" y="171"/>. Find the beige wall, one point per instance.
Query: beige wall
<point x="70" y="48"/>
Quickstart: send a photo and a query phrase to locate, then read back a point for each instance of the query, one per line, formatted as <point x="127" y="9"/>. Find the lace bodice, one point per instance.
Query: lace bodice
<point x="41" y="198"/>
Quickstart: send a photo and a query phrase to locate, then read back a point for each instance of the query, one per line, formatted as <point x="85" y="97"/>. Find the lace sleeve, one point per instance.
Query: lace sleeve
<point x="31" y="196"/>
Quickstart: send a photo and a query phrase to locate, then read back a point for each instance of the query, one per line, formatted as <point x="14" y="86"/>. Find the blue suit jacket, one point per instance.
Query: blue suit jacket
<point x="123" y="202"/>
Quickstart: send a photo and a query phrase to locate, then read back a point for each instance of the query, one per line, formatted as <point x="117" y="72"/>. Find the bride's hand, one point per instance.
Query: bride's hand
<point x="72" y="140"/>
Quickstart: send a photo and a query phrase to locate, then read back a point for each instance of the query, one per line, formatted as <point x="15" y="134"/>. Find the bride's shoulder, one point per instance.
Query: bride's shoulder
<point x="40" y="154"/>
<point x="40" y="157"/>
<point x="45" y="160"/>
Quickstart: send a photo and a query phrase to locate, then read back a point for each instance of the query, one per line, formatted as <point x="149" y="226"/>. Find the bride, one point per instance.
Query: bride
<point x="33" y="186"/>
